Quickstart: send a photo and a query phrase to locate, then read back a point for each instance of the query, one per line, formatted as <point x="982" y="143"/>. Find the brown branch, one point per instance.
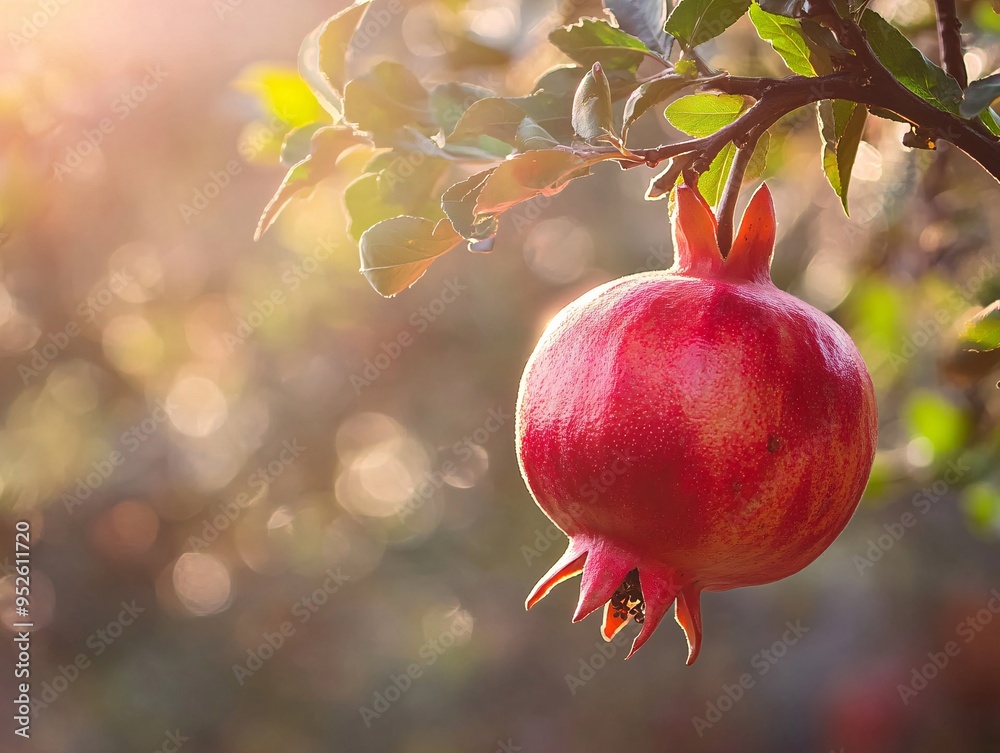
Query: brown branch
<point x="726" y="212"/>
<point x="949" y="33"/>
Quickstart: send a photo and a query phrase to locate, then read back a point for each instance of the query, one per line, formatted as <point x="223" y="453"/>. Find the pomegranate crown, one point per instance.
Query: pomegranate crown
<point x="696" y="243"/>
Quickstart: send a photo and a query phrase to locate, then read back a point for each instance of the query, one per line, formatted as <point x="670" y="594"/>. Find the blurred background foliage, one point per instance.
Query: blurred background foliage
<point x="211" y="427"/>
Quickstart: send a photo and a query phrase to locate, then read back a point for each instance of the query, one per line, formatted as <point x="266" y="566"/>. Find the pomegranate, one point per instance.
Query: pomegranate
<point x="693" y="430"/>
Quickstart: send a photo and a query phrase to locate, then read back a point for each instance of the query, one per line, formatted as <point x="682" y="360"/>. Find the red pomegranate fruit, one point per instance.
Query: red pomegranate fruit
<point x="693" y="430"/>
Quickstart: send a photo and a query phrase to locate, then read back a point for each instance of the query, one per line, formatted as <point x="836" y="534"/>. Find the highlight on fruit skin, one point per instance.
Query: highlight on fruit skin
<point x="692" y="430"/>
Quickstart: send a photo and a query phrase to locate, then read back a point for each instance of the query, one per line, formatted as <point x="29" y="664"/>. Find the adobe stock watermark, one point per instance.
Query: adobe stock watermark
<point x="98" y="642"/>
<point x="122" y="107"/>
<point x="216" y="182"/>
<point x="101" y="470"/>
<point x="261" y="479"/>
<point x="923" y="501"/>
<point x="302" y="610"/>
<point x="173" y="740"/>
<point x="419" y="322"/>
<point x="762" y="662"/>
<point x="604" y="651"/>
<point x="428" y="655"/>
<point x="33" y="23"/>
<point x="463" y="450"/>
<point x="292" y="279"/>
<point x="967" y="630"/>
<point x="42" y="356"/>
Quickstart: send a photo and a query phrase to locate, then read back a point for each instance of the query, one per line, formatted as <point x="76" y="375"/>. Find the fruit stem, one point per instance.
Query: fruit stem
<point x="727" y="205"/>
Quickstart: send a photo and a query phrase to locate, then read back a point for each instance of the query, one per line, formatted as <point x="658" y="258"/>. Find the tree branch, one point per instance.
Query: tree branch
<point x="727" y="205"/>
<point x="949" y="33"/>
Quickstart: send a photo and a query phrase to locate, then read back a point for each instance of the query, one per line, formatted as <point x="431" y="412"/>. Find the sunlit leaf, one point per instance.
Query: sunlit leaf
<point x="841" y="124"/>
<point x="395" y="253"/>
<point x="326" y="146"/>
<point x="537" y="173"/>
<point x="592" y="40"/>
<point x="643" y="19"/>
<point x="298" y="143"/>
<point x="694" y="22"/>
<point x="407" y="184"/>
<point x="448" y="102"/>
<point x="914" y="71"/>
<point x="284" y="94"/>
<point x="334" y="41"/>
<point x="703" y="114"/>
<point x="593" y="117"/>
<point x="459" y="203"/>
<point x="651" y="94"/>
<point x="387" y="98"/>
<point x="494" y="116"/>
<point x="785" y="35"/>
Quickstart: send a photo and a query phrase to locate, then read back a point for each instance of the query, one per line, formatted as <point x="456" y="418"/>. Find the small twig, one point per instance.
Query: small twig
<point x="730" y="194"/>
<point x="949" y="33"/>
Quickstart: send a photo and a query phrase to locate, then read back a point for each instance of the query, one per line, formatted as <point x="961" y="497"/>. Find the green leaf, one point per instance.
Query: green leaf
<point x="980" y="95"/>
<point x="531" y="136"/>
<point x="448" y="102"/>
<point x="643" y="19"/>
<point x="386" y="99"/>
<point x="543" y="172"/>
<point x="366" y="206"/>
<point x="405" y="184"/>
<point x="786" y="37"/>
<point x="334" y="43"/>
<point x="592" y="40"/>
<point x="989" y="118"/>
<point x="694" y="22"/>
<point x="758" y="160"/>
<point x="940" y="421"/>
<point x="983" y="332"/>
<point x="909" y="66"/>
<point x="592" y="114"/>
<point x="308" y="63"/>
<point x="701" y="115"/>
<point x="326" y="146"/>
<point x="650" y="94"/>
<point x="713" y="180"/>
<point x="459" y="203"/>
<point x="981" y="503"/>
<point x="841" y="124"/>
<point x="298" y="143"/>
<point x="396" y="252"/>
<point x="494" y="116"/>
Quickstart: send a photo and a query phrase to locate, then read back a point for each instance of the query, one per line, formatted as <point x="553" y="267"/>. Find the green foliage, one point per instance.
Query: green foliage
<point x="592" y="40"/>
<point x="574" y="116"/>
<point x="650" y="94"/>
<point x="325" y="147"/>
<point x="786" y="37"/>
<point x="396" y="252"/>
<point x="593" y="118"/>
<point x="983" y="332"/>
<point x="695" y="22"/>
<point x="842" y="124"/>
<point x="645" y="21"/>
<point x="704" y="114"/>
<point x="914" y="71"/>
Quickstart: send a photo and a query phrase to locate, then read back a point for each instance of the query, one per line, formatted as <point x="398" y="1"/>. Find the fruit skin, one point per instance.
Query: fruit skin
<point x="699" y="425"/>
